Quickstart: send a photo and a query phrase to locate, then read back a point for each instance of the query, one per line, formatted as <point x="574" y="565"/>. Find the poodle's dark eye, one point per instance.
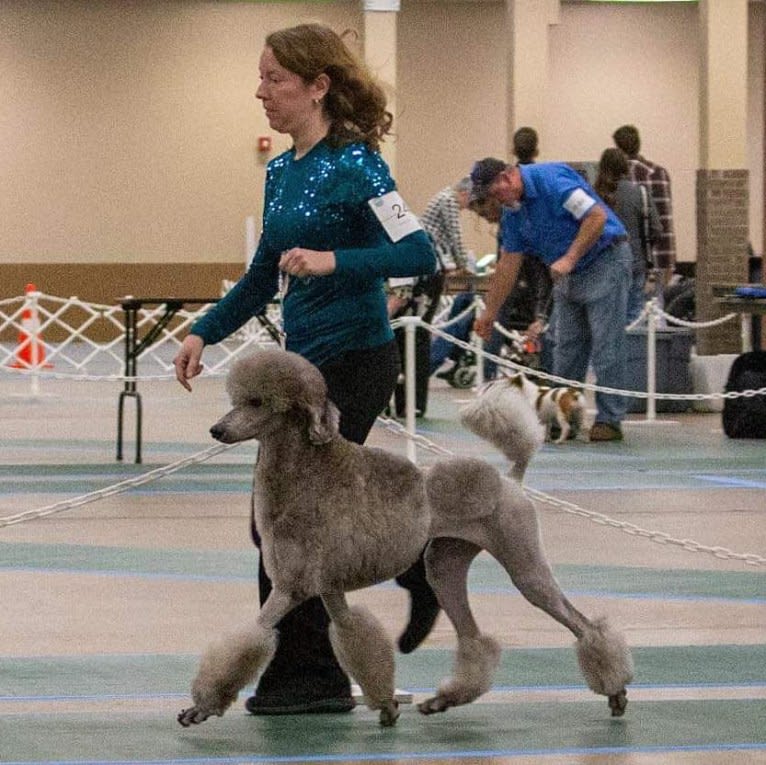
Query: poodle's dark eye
<point x="256" y="401"/>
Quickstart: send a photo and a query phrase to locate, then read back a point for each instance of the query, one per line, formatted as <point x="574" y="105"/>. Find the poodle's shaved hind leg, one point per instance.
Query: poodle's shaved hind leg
<point x="447" y="563"/>
<point x="228" y="665"/>
<point x="365" y="651"/>
<point x="603" y="655"/>
<point x="477" y="657"/>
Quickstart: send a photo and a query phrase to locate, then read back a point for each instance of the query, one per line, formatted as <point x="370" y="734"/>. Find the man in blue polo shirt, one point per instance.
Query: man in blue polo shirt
<point x="553" y="213"/>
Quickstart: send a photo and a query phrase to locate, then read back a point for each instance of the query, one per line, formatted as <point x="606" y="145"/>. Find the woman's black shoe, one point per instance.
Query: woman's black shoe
<point x="424" y="607"/>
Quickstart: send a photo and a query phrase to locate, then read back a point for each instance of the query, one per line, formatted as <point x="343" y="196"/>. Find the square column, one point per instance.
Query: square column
<point x="380" y="54"/>
<point x="528" y="23"/>
<point x="722" y="180"/>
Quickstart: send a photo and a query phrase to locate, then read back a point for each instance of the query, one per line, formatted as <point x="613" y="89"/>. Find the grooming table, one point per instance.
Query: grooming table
<point x="455" y="284"/>
<point x="747" y="307"/>
<point x="135" y="346"/>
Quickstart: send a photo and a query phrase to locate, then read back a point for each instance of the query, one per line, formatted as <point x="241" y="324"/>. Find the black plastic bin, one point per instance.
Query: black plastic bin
<point x="673" y="374"/>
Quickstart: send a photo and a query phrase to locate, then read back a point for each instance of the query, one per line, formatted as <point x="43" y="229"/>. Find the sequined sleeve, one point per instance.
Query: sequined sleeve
<point x="380" y="257"/>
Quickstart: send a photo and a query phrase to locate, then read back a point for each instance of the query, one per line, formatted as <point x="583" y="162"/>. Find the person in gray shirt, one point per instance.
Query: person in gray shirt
<point x="634" y="205"/>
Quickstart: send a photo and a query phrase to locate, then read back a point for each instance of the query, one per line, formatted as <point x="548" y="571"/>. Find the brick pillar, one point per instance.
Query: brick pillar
<point x="722" y="258"/>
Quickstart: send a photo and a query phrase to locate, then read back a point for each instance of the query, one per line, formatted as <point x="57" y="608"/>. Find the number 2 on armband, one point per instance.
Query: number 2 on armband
<point x="394" y="215"/>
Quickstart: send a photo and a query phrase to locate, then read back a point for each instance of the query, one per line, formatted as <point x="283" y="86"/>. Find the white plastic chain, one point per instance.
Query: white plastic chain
<point x="629" y="528"/>
<point x="117" y="488"/>
<point x="504" y="362"/>
<point x="660" y="537"/>
<point x="57" y="315"/>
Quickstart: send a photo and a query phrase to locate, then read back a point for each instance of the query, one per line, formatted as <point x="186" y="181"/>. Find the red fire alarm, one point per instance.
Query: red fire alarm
<point x="264" y="144"/>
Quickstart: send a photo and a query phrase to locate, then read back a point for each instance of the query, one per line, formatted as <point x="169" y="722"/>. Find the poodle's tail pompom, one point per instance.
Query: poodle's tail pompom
<point x="604" y="658"/>
<point x="463" y="488"/>
<point x="365" y="651"/>
<point x="230" y="664"/>
<point x="476" y="660"/>
<point x="502" y="416"/>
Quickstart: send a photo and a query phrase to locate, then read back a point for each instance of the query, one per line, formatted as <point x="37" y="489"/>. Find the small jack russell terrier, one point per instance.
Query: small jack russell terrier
<point x="563" y="406"/>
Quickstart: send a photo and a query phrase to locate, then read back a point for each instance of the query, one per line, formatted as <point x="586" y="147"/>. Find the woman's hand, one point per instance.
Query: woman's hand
<point x="302" y="263"/>
<point x="187" y="361"/>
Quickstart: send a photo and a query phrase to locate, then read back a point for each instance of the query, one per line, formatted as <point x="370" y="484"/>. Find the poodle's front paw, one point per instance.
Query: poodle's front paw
<point x="193" y="716"/>
<point x="434" y="704"/>
<point x="389" y="713"/>
<point x="204" y="707"/>
<point x="618" y="702"/>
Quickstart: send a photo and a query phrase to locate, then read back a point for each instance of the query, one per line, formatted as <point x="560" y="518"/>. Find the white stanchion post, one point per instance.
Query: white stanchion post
<point x="479" y="304"/>
<point x="479" y="363"/>
<point x="745" y="332"/>
<point x="651" y="361"/>
<point x="410" y="325"/>
<point x="250" y="239"/>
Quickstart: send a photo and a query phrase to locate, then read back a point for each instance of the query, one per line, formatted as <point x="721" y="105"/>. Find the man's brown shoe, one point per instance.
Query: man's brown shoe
<point x="603" y="431"/>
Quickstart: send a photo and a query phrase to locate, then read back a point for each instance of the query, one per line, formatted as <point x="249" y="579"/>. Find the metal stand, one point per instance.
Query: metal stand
<point x="134" y="347"/>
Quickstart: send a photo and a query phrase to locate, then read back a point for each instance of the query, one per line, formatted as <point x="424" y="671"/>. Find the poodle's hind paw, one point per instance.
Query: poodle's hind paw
<point x="618" y="702"/>
<point x="389" y="713"/>
<point x="433" y="705"/>
<point x="194" y="716"/>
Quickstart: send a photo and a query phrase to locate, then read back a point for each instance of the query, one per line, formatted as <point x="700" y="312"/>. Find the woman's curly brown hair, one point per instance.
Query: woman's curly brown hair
<point x="355" y="102"/>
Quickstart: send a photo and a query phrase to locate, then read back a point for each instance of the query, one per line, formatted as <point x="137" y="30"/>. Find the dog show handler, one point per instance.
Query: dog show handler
<point x="334" y="228"/>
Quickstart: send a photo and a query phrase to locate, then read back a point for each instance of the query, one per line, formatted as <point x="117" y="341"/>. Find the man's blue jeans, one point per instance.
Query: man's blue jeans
<point x="442" y="349"/>
<point x="591" y="311"/>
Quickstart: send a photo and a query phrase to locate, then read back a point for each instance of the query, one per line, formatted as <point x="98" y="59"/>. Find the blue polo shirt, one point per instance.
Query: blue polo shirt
<point x="556" y="199"/>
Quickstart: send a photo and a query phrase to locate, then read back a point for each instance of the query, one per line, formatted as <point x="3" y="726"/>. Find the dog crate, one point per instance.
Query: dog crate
<point x="673" y="373"/>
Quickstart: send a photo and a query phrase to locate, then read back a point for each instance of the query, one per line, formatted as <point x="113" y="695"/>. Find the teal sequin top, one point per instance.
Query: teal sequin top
<point x="320" y="202"/>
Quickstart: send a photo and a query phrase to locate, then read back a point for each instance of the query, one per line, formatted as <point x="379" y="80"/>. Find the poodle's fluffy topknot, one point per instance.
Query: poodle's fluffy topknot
<point x="282" y="379"/>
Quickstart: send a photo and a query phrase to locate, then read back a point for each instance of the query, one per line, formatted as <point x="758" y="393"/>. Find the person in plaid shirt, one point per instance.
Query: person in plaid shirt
<point x="441" y="220"/>
<point x="656" y="179"/>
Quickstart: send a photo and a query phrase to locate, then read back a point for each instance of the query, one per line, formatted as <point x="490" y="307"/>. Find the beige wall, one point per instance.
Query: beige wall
<point x="452" y="100"/>
<point x="634" y="63"/>
<point x="128" y="129"/>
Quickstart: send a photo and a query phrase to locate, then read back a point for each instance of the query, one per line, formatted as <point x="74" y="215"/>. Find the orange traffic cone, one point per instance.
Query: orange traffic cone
<point x="30" y="353"/>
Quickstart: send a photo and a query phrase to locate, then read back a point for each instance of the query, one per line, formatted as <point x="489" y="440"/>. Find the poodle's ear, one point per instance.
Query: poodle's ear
<point x="323" y="423"/>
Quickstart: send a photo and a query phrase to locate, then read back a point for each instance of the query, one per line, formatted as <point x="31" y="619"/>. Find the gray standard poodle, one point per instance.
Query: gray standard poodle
<point x="335" y="516"/>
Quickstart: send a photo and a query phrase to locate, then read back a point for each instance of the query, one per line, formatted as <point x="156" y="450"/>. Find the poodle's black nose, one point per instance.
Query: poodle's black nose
<point x="217" y="432"/>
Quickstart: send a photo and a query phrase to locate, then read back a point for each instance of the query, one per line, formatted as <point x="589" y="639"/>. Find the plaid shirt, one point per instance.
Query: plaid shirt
<point x="657" y="180"/>
<point x="442" y="221"/>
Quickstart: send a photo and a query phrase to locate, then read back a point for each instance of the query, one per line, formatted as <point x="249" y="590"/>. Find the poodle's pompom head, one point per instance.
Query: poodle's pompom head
<point x="273" y="381"/>
<point x="280" y="379"/>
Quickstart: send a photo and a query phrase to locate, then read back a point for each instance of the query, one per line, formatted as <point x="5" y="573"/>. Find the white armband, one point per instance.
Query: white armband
<point x="402" y="281"/>
<point x="394" y="215"/>
<point x="578" y="203"/>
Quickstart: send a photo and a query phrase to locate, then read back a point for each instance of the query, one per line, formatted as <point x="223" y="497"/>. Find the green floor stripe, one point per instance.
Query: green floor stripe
<point x="80" y="479"/>
<point x="140" y="561"/>
<point x="519" y="668"/>
<point x="486" y="575"/>
<point x="479" y="728"/>
<point x="633" y="580"/>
